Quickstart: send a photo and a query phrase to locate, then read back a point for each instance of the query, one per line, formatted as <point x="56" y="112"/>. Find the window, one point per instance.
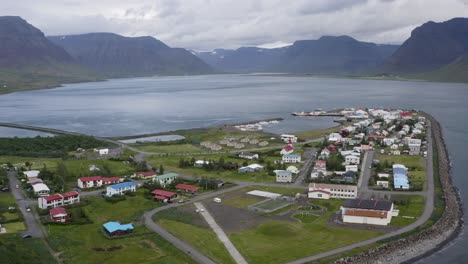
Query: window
<point x="319" y="195"/>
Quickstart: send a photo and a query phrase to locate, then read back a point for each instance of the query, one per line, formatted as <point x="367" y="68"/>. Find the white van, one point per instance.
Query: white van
<point x="217" y="200"/>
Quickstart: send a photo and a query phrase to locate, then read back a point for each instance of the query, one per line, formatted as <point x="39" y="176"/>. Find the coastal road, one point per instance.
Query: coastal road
<point x="30" y="218"/>
<point x="428" y="209"/>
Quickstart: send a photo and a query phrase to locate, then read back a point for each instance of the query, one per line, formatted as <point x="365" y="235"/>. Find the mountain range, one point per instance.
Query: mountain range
<point x="28" y="59"/>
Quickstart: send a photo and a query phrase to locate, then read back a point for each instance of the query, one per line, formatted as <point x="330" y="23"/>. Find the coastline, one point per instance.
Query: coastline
<point x="429" y="240"/>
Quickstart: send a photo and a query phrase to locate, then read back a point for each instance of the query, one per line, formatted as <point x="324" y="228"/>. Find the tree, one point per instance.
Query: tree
<point x="161" y="169"/>
<point x="245" y="163"/>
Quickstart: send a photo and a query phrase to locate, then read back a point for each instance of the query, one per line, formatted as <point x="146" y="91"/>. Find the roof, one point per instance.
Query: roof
<point x="264" y="194"/>
<point x="122" y="185"/>
<point x="287" y="135"/>
<point x="90" y="178"/>
<point x="288" y="148"/>
<point x="282" y="172"/>
<point x="332" y="186"/>
<point x="292" y="156"/>
<point x="31" y="173"/>
<point x="40" y="187"/>
<point x="164" y="193"/>
<point x="53" y="197"/>
<point x="366" y="213"/>
<point x="322" y="191"/>
<point x="111" y="179"/>
<point x="116" y="226"/>
<point x="160" y="197"/>
<point x="58" y="211"/>
<point x="167" y="176"/>
<point x="70" y="194"/>
<point x="382" y="205"/>
<point x="187" y="187"/>
<point x="320" y="164"/>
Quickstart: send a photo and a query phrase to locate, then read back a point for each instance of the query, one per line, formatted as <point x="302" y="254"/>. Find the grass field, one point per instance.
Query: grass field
<point x="37" y="163"/>
<point x="14" y="227"/>
<point x="15" y="249"/>
<point x="271" y="204"/>
<point x="7" y="200"/>
<point x="279" y="242"/>
<point x="84" y="243"/>
<point x="242" y="201"/>
<point x="80" y="168"/>
<point x="306" y="218"/>
<point x="203" y="239"/>
<point x="318" y="133"/>
<point x="414" y="208"/>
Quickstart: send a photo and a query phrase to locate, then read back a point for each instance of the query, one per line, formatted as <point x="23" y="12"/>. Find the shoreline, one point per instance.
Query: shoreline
<point x="429" y="240"/>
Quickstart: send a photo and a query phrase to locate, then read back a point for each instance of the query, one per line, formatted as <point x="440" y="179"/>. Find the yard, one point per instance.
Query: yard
<point x="415" y="164"/>
<point x="87" y="243"/>
<point x="15" y="249"/>
<point x="412" y="207"/>
<point x="14" y="225"/>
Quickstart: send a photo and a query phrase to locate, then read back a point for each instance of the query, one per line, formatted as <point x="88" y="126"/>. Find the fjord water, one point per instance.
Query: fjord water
<point x="146" y="105"/>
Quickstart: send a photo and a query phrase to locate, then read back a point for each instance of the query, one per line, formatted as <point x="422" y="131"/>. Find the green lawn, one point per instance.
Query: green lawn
<point x="15" y="249"/>
<point x="414" y="208"/>
<point x="204" y="239"/>
<point x="80" y="168"/>
<point x="14" y="227"/>
<point x="306" y="218"/>
<point x="37" y="163"/>
<point x="6" y="200"/>
<point x="279" y="242"/>
<point x="84" y="243"/>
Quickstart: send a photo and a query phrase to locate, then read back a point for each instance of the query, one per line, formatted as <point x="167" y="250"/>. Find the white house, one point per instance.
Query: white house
<point x="58" y="200"/>
<point x="372" y="212"/>
<point x="165" y="179"/>
<point x="89" y="182"/>
<point x="351" y="168"/>
<point x="394" y="146"/>
<point x="292" y="169"/>
<point x="102" y="151"/>
<point x="248" y="155"/>
<point x="31" y="174"/>
<point x="383" y="184"/>
<point x="41" y="189"/>
<point x="251" y="168"/>
<point x="289" y="138"/>
<point x="334" y="137"/>
<point x="291" y="158"/>
<point x="316" y="190"/>
<point x="352" y="160"/>
<point x="120" y="188"/>
<point x="389" y="141"/>
<point x="325" y="153"/>
<point x="288" y="149"/>
<point x="200" y="163"/>
<point x="283" y="176"/>
<point x="383" y="175"/>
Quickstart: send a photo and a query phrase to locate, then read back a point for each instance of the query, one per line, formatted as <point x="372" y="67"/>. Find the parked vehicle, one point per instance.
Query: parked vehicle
<point x="217" y="200"/>
<point x="27" y="236"/>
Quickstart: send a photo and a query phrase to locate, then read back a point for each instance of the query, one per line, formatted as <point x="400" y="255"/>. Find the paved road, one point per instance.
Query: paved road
<point x="428" y="209"/>
<point x="363" y="182"/>
<point x="30" y="218"/>
<point x="235" y="254"/>
<point x="309" y="157"/>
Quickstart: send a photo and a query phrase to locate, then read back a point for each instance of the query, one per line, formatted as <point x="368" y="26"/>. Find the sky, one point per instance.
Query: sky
<point x="208" y="24"/>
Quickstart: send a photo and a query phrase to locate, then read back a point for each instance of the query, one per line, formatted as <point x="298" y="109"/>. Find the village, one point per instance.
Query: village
<point x="362" y="179"/>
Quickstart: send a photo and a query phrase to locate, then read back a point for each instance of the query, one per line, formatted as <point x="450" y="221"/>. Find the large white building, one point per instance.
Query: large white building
<point x="334" y="137"/>
<point x="291" y="158"/>
<point x="40" y="189"/>
<point x="327" y="191"/>
<point x="372" y="212"/>
<point x="31" y="174"/>
<point x="283" y="176"/>
<point x="289" y="138"/>
<point x="120" y="188"/>
<point x="58" y="200"/>
<point x="352" y="160"/>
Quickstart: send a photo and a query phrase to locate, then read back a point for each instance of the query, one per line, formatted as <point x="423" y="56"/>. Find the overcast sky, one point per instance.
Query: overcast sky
<point x="209" y="24"/>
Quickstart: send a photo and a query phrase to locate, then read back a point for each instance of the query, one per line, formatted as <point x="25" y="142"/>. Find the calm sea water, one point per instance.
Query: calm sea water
<point x="146" y="105"/>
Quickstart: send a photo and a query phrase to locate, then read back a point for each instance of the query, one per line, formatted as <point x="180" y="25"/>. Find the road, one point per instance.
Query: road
<point x="428" y="209"/>
<point x="309" y="157"/>
<point x="235" y="254"/>
<point x="30" y="218"/>
<point x="363" y="182"/>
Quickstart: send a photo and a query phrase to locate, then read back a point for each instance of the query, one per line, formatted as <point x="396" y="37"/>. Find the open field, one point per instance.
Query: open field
<point x="175" y="148"/>
<point x="319" y="133"/>
<point x="15" y="249"/>
<point x="14" y="227"/>
<point x="87" y="244"/>
<point x="204" y="239"/>
<point x="37" y="163"/>
<point x="242" y="201"/>
<point x="413" y="208"/>
<point x="306" y="218"/>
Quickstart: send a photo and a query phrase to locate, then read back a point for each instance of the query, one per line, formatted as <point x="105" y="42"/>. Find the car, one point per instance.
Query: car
<point x="28" y="209"/>
<point x="370" y="167"/>
<point x="17" y="186"/>
<point x="196" y="210"/>
<point x="181" y="201"/>
<point x="5" y="189"/>
<point x="27" y="236"/>
<point x="202" y="210"/>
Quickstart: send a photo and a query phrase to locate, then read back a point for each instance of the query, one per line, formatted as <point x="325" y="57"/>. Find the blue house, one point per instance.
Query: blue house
<point x="117" y="229"/>
<point x="120" y="188"/>
<point x="400" y="177"/>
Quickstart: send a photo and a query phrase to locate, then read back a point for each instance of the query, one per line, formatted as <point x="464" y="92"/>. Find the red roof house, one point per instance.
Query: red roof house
<point x="288" y="149"/>
<point x="146" y="174"/>
<point x="187" y="188"/>
<point x="58" y="214"/>
<point x="159" y="194"/>
<point x="54" y="197"/>
<point x="110" y="180"/>
<point x="331" y="148"/>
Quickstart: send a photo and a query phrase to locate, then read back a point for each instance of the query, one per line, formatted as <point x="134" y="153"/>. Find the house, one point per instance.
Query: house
<point x="316" y="190"/>
<point x="366" y="147"/>
<point x="248" y="155"/>
<point x="352" y="160"/>
<point x="396" y="152"/>
<point x="187" y="188"/>
<point x="283" y="176"/>
<point x="291" y="158"/>
<point x="41" y="189"/>
<point x="145" y="174"/>
<point x="31" y="174"/>
<point x="288" y="138"/>
<point x="120" y="188"/>
<point x="57" y="200"/>
<point x="372" y="212"/>
<point x="110" y="180"/>
<point x="324" y="154"/>
<point x="400" y="177"/>
<point x="35" y="181"/>
<point x="383" y="175"/>
<point x="349" y="177"/>
<point x="163" y="196"/>
<point x="394" y="146"/>
<point x="251" y="168"/>
<point x="288" y="149"/>
<point x="331" y="148"/>
<point x="166" y="178"/>
<point x="89" y="182"/>
<point x="389" y="141"/>
<point x="351" y="168"/>
<point x="102" y="151"/>
<point x="383" y="184"/>
<point x="58" y="214"/>
<point x="414" y="146"/>
<point x="200" y="163"/>
<point x="117" y="229"/>
<point x="334" y="137"/>
<point x="292" y="169"/>
<point x="406" y="115"/>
